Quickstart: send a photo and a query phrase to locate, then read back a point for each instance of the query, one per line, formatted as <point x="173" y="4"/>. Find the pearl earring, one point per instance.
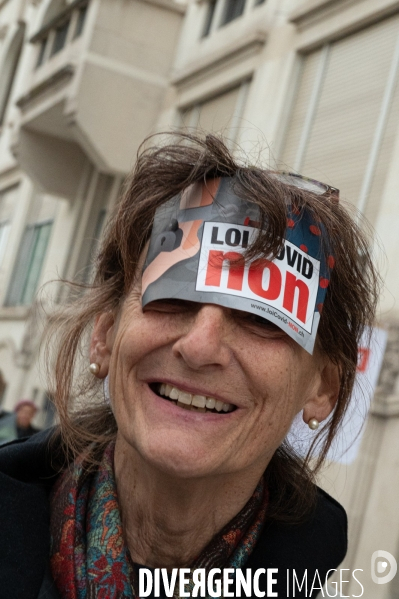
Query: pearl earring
<point x="94" y="368"/>
<point x="313" y="424"/>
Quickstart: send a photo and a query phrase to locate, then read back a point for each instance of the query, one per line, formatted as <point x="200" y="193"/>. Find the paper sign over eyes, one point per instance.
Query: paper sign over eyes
<point x="196" y="253"/>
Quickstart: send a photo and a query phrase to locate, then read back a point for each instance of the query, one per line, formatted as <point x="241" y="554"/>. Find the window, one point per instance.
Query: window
<point x="8" y="69"/>
<point x="29" y="264"/>
<point x="61" y="33"/>
<point x="80" y="20"/>
<point x="32" y="251"/>
<point x="232" y="10"/>
<point x="56" y="28"/>
<point x="346" y="114"/>
<point x="8" y="199"/>
<point x="222" y="12"/>
<point x="219" y="114"/>
<point x="42" y="51"/>
<point x="209" y="17"/>
<point x="4" y="231"/>
<point x="54" y="9"/>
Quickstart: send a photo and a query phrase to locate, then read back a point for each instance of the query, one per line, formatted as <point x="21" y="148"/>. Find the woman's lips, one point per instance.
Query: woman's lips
<point x="191" y="401"/>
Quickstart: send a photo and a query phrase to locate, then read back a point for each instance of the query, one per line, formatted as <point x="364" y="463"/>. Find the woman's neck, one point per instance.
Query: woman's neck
<point x="167" y="520"/>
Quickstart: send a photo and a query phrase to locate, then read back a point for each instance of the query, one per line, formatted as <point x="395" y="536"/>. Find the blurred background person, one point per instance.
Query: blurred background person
<point x="18" y="424"/>
<point x="25" y="411"/>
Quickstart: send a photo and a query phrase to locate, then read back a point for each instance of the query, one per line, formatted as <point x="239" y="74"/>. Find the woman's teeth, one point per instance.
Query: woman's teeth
<point x="199" y="403"/>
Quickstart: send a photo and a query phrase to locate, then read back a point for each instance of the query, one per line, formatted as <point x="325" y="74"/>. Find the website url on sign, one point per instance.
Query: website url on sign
<point x="279" y="316"/>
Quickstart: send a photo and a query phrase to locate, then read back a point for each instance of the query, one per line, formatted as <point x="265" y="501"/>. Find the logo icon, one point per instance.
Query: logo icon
<point x="379" y="565"/>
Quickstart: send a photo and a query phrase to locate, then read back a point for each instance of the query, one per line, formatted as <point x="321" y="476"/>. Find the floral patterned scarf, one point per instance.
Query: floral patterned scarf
<point x="89" y="557"/>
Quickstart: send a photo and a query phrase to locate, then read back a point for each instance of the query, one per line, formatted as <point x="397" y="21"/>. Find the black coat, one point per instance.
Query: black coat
<point x="26" y="478"/>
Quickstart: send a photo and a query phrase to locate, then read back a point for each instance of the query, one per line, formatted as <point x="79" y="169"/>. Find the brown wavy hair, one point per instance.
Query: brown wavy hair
<point x="162" y="171"/>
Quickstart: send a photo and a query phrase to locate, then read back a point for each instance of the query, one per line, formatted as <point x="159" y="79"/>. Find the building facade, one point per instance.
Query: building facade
<point x="81" y="85"/>
<point x="304" y="85"/>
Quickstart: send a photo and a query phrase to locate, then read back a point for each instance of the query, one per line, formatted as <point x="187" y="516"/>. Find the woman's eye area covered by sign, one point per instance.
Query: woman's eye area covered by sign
<point x="198" y="253"/>
<point x="253" y="323"/>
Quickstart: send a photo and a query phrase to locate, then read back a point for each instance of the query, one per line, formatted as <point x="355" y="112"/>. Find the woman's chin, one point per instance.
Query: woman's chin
<point x="179" y="460"/>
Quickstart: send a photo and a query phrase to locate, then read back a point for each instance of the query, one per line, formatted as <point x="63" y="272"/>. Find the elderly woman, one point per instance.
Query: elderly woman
<point x="171" y="475"/>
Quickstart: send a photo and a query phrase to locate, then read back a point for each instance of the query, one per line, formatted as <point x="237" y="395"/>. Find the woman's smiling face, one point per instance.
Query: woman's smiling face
<point x="213" y="353"/>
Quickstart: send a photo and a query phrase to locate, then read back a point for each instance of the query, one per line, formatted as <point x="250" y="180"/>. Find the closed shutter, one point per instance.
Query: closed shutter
<point x="220" y="114"/>
<point x="295" y="129"/>
<point x="216" y="114"/>
<point x="384" y="158"/>
<point x="345" y="116"/>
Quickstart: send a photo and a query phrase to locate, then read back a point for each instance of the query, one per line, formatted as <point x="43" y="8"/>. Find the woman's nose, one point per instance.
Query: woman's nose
<point x="204" y="343"/>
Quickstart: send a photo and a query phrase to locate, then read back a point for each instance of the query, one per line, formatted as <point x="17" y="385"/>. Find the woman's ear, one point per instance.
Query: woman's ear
<point x="101" y="344"/>
<point x="325" y="393"/>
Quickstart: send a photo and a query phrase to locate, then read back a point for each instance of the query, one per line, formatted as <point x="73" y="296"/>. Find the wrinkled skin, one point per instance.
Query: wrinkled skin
<point x="170" y="461"/>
